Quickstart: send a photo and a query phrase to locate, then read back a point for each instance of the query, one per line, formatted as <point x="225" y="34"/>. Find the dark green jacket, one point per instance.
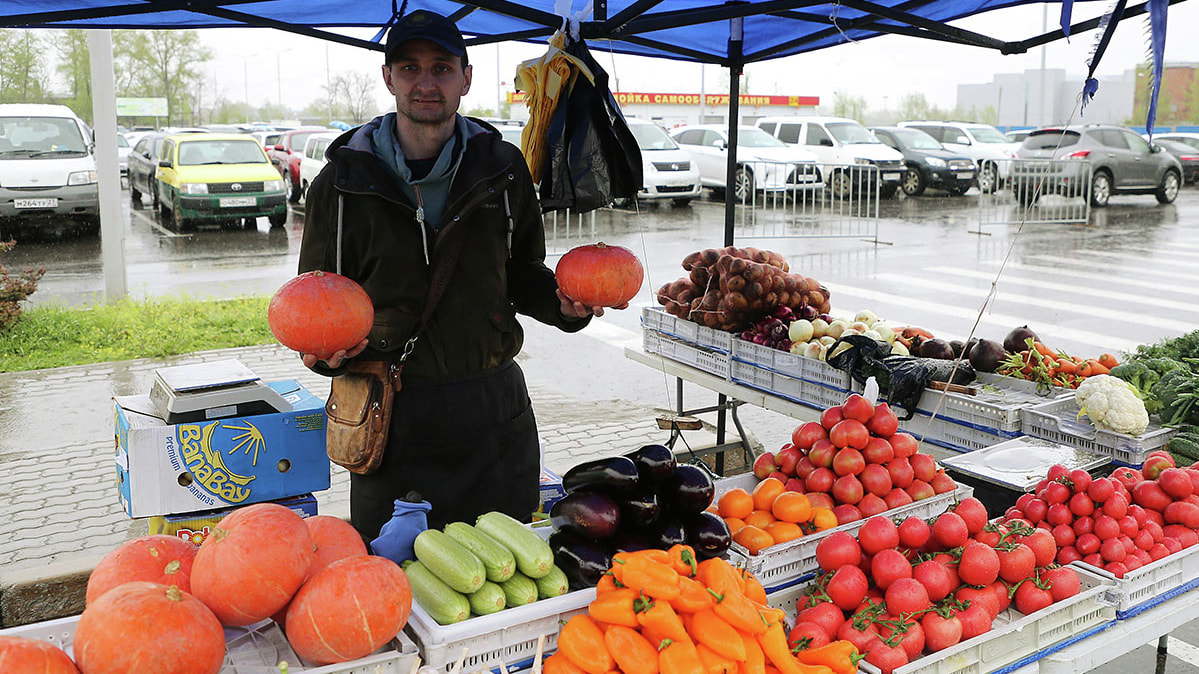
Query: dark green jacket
<point x="384" y="249"/>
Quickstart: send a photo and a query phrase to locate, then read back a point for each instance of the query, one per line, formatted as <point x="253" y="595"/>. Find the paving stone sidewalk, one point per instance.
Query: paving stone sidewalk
<point x="58" y="482"/>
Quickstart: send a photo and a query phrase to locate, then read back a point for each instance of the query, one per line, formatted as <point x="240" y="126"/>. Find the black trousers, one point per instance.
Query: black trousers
<point x="468" y="446"/>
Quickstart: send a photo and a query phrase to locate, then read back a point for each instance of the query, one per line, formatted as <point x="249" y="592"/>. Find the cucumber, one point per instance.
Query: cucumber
<point x="448" y="560"/>
<point x="497" y="560"/>
<point x="489" y="599"/>
<point x="519" y="590"/>
<point x="440" y="601"/>
<point x="552" y="584"/>
<point x="533" y="555"/>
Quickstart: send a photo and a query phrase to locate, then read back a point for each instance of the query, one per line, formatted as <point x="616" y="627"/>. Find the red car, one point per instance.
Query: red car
<point x="286" y="154"/>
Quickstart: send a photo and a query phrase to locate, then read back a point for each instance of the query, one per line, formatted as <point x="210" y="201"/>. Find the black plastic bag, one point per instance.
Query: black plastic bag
<point x="904" y="378"/>
<point x="593" y="157"/>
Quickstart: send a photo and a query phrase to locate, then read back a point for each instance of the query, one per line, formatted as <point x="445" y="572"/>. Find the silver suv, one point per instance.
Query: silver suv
<point x="1121" y="162"/>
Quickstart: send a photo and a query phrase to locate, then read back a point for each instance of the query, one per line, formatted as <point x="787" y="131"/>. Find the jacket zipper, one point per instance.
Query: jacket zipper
<point x="420" y="220"/>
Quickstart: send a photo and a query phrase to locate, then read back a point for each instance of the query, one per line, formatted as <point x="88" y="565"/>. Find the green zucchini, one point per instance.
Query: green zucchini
<point x="489" y="599"/>
<point x="440" y="601"/>
<point x="519" y="590"/>
<point x="497" y="560"/>
<point x="448" y="560"/>
<point x="552" y="584"/>
<point x="533" y="555"/>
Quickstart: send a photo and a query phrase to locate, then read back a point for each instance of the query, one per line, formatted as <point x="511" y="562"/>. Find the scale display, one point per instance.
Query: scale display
<point x="215" y="390"/>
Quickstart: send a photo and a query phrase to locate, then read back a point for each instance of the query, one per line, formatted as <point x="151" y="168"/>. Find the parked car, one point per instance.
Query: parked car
<point x="927" y="163"/>
<point x="839" y="142"/>
<point x="764" y="162"/>
<point x="123" y="150"/>
<point x="668" y="170"/>
<point x="266" y="139"/>
<point x="1187" y="156"/>
<point x="312" y="159"/>
<point x="1187" y="137"/>
<point x="285" y="155"/>
<point x="143" y="167"/>
<point x="47" y="171"/>
<point x="222" y="177"/>
<point x="1121" y="162"/>
<point x="512" y="134"/>
<point x="1018" y="136"/>
<point x="983" y="143"/>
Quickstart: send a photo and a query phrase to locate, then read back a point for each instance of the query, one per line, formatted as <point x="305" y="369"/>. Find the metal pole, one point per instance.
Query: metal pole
<point x="279" y="81"/>
<point x="108" y="172"/>
<point x="730" y="172"/>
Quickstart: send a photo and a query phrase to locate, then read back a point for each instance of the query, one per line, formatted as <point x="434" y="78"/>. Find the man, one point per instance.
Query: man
<point x="402" y="187"/>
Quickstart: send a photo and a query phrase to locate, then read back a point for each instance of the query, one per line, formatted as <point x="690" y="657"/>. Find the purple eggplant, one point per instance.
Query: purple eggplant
<point x="667" y="532"/>
<point x="615" y="476"/>
<point x="630" y="540"/>
<point x="591" y="515"/>
<point x="689" y="490"/>
<point x="708" y="534"/>
<point x="583" y="561"/>
<point x="655" y="463"/>
<point x="640" y="510"/>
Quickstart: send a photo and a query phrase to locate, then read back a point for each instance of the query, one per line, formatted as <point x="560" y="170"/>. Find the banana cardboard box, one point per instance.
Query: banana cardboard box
<point x="195" y="527"/>
<point x="165" y="469"/>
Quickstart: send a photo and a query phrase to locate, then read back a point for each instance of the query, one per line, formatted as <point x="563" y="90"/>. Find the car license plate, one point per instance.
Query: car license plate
<point x="35" y="203"/>
<point x="890" y="176"/>
<point x="233" y="202"/>
<point x="966" y="174"/>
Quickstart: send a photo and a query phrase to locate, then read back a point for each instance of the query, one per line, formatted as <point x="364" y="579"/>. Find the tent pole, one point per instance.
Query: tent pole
<point x="735" y="64"/>
<point x="104" y="118"/>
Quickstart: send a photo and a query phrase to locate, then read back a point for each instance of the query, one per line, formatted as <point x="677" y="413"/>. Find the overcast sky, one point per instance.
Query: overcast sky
<point x="268" y="64"/>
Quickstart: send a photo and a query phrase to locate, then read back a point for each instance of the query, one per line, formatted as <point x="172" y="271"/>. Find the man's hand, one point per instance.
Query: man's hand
<point x="336" y="360"/>
<point x="573" y="309"/>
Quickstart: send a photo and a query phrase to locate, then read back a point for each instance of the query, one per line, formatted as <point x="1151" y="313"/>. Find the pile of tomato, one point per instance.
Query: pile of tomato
<point x="898" y="591"/>
<point x="1121" y="522"/>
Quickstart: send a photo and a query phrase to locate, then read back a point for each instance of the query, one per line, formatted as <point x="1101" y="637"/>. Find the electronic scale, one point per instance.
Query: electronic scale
<point x="216" y="390"/>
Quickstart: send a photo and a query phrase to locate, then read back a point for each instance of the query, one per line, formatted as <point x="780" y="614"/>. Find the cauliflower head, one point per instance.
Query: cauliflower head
<point x="1111" y="403"/>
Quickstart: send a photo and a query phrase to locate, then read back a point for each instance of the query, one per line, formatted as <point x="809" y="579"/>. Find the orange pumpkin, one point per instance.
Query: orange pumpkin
<point x="349" y="610"/>
<point x="147" y="627"/>
<point x="252" y="563"/>
<point x="334" y="539"/>
<point x="321" y="313"/>
<point x="19" y="655"/>
<point x="158" y="559"/>
<point x="600" y="275"/>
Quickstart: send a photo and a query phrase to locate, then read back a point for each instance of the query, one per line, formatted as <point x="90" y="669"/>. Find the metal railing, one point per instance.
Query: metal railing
<point x="810" y="201"/>
<point x="565" y="229"/>
<point x="1038" y="192"/>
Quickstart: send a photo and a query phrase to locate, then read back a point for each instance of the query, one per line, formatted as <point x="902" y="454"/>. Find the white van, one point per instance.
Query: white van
<point x="47" y="171"/>
<point x="667" y="170"/>
<point x="837" y="141"/>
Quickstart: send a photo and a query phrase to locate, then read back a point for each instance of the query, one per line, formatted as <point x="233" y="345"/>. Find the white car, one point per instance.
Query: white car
<point x="764" y="162"/>
<point x="1185" y="137"/>
<point x="313" y="159"/>
<point x="983" y="143"/>
<point x="667" y="170"/>
<point x="123" y="150"/>
<point x="839" y="142"/>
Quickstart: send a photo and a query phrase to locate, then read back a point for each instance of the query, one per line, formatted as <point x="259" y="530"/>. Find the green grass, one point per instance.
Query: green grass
<point x="55" y="336"/>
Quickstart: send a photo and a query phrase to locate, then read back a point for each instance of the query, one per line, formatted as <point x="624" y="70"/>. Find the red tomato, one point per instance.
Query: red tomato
<point x="807" y="635"/>
<point x="973" y="513"/>
<point x="979" y="596"/>
<point x="1016" y="564"/>
<point x="979" y="564"/>
<point x="878" y="451"/>
<point x="806" y="434"/>
<point x="878" y="534"/>
<point x="831" y="417"/>
<point x="950" y="531"/>
<point x="907" y="595"/>
<point x="1101" y="490"/>
<point x="838" y="549"/>
<point x="1029" y="598"/>
<point x="975" y="621"/>
<point x="858" y="408"/>
<point x="1063" y="583"/>
<point x="940" y="633"/>
<point x="884" y="423"/>
<point x="901" y="472"/>
<point x="826" y="615"/>
<point x="849" y="433"/>
<point x="847" y="490"/>
<point x="871" y="505"/>
<point x="1116" y="506"/>
<point x="1080" y="505"/>
<point x="913" y="533"/>
<point x="924" y="467"/>
<point x="876" y="480"/>
<point x="847" y="587"/>
<point x="904" y="444"/>
<point x="847" y="461"/>
<point x="936" y="578"/>
<point x="897" y="498"/>
<point x="887" y="658"/>
<point x="1081" y="479"/>
<point x="889" y="566"/>
<point x="1043" y="546"/>
<point x="821" y="454"/>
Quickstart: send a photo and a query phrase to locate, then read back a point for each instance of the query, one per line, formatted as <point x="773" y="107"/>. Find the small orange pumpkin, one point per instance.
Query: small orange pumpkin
<point x="349" y="610"/>
<point x="600" y="275"/>
<point x="334" y="539"/>
<point x="252" y="563"/>
<point x="147" y="627"/>
<point x="19" y="654"/>
<point x="158" y="559"/>
<point x="321" y="313"/>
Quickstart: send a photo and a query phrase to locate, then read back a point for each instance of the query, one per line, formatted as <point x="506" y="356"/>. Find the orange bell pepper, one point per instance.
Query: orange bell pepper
<point x="774" y="645"/>
<point x="715" y="663"/>
<point x="558" y="663"/>
<point x="740" y="612"/>
<point x="693" y="596"/>
<point x="634" y="654"/>
<point x="656" y="579"/>
<point x="659" y="621"/>
<point x="755" y="659"/>
<point x="582" y="642"/>
<point x="615" y="607"/>
<point x="840" y="656"/>
<point x="712" y="631"/>
<point x="720" y="576"/>
<point x="683" y="560"/>
<point x="679" y="657"/>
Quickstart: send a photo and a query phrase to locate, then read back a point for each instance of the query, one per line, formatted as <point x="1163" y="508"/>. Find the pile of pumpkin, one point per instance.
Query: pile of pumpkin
<point x="158" y="603"/>
<point x="662" y="611"/>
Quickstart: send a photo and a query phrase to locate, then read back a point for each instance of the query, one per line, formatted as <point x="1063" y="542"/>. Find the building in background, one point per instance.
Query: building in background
<point x="1178" y="104"/>
<point x="669" y="110"/>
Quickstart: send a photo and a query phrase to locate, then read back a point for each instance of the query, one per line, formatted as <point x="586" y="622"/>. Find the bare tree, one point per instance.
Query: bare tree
<point x="22" y="71"/>
<point x="354" y="92"/>
<point x="162" y="63"/>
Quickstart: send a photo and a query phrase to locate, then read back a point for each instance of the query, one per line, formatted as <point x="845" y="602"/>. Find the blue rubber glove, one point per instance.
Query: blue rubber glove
<point x="396" y="537"/>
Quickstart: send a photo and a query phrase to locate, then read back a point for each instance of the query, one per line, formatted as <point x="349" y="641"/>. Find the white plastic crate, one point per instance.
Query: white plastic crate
<point x="995" y="408"/>
<point x="508" y="637"/>
<point x="1152" y="584"/>
<point x="1060" y="422"/>
<point x="685" y="352"/>
<point x="951" y="435"/>
<point x="783" y="564"/>
<point x="655" y="318"/>
<point x="790" y="364"/>
<point x="1014" y="637"/>
<point x="256" y="649"/>
<point x="801" y="391"/>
